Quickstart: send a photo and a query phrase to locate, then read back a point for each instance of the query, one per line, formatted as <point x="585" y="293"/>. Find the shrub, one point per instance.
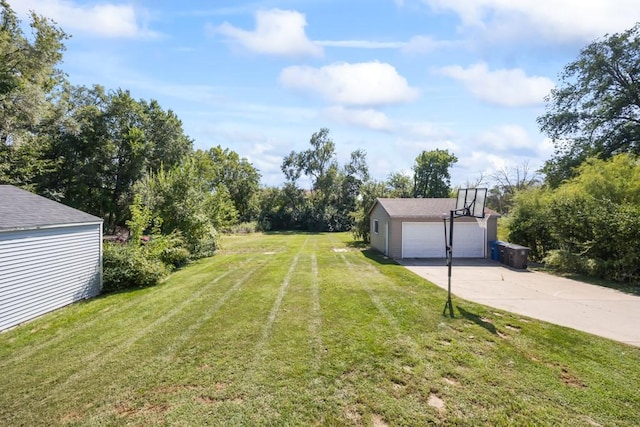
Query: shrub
<point x="242" y="228"/>
<point x="126" y="266"/>
<point x="170" y="249"/>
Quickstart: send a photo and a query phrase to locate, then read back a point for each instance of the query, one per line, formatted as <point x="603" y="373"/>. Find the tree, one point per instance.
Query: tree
<point x="27" y="70"/>
<point x="508" y="181"/>
<point x="595" y="110"/>
<point x="333" y="189"/>
<point x="28" y="75"/>
<point x="181" y="199"/>
<point x="431" y="173"/>
<point x="240" y="178"/>
<point x="96" y="145"/>
<point x="369" y="192"/>
<point x="400" y="185"/>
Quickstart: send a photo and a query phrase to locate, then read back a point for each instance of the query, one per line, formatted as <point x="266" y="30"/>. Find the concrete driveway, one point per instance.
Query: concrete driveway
<point x="590" y="308"/>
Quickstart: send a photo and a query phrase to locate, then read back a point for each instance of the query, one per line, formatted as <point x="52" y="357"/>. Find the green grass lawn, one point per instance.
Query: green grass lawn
<point x="307" y="329"/>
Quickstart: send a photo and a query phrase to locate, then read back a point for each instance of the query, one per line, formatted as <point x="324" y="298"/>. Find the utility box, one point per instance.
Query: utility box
<point x="516" y="256"/>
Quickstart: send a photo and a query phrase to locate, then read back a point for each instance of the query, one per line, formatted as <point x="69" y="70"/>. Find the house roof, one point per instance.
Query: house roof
<point x="431" y="208"/>
<point x="20" y="209"/>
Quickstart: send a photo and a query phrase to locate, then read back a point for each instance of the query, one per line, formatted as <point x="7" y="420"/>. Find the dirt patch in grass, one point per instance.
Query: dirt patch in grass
<point x="378" y="421"/>
<point x="436" y="402"/>
<point x="571" y="380"/>
<point x="71" y="417"/>
<point x="125" y="410"/>
<point x="450" y="381"/>
<point x="513" y="328"/>
<point x="353" y="415"/>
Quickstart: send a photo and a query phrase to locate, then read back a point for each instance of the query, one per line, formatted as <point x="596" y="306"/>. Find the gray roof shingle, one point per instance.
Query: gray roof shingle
<point x="20" y="209"/>
<point x="430" y="208"/>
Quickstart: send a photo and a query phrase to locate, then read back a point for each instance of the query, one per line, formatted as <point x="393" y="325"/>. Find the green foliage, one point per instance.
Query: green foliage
<point x="370" y="191"/>
<point x="333" y="196"/>
<point x="400" y="185"/>
<point x="242" y="228"/>
<point x="431" y="173"/>
<point x="28" y="76"/>
<point x="170" y="249"/>
<point x="239" y="177"/>
<point x="182" y="197"/>
<point x="126" y="266"/>
<point x="27" y="72"/>
<point x="595" y="109"/>
<point x="529" y="222"/>
<point x="589" y="225"/>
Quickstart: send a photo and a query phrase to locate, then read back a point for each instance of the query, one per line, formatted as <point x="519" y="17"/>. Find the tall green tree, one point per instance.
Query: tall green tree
<point x="100" y="143"/>
<point x="431" y="173"/>
<point x="595" y="109"/>
<point x="239" y="177"/>
<point x="28" y="76"/>
<point x="333" y="189"/>
<point x="400" y="185"/>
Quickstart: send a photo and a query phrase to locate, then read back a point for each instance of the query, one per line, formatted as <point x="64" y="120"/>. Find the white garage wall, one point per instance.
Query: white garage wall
<point x="45" y="269"/>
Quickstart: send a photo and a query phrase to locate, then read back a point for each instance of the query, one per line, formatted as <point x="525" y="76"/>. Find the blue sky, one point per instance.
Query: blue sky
<point x="391" y="77"/>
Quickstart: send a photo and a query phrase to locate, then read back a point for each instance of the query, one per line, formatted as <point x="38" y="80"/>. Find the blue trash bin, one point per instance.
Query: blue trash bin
<point x="494" y="249"/>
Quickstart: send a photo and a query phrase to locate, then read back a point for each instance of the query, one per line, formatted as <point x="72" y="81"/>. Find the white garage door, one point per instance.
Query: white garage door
<point x="426" y="240"/>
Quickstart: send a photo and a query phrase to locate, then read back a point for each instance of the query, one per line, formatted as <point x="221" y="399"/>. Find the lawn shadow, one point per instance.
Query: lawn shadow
<point x="378" y="257"/>
<point x="478" y="320"/>
<point x="358" y="244"/>
<point x="627" y="288"/>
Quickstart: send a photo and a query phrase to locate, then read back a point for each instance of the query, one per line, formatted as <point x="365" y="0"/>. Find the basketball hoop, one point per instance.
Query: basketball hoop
<point x="482" y="222"/>
<point x="470" y="202"/>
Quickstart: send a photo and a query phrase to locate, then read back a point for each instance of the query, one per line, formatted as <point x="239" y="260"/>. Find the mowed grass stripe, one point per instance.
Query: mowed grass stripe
<point x="85" y="360"/>
<point x="90" y="349"/>
<point x="212" y="363"/>
<point x="96" y="314"/>
<point x="95" y="361"/>
<point x="315" y="321"/>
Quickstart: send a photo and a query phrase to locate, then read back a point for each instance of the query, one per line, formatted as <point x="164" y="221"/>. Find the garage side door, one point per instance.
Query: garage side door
<point x="426" y="240"/>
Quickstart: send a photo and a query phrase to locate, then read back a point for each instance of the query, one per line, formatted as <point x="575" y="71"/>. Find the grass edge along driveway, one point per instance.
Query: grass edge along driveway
<point x="306" y="329"/>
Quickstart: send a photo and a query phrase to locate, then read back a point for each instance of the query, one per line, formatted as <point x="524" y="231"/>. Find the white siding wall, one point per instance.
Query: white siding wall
<point x="45" y="269"/>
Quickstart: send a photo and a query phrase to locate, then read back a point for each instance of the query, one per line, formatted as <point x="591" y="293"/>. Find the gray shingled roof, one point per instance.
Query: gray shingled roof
<point x="20" y="209"/>
<point x="420" y="208"/>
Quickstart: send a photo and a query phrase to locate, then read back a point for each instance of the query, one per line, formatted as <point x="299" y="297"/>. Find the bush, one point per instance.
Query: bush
<point x="242" y="228"/>
<point x="171" y="250"/>
<point x="126" y="266"/>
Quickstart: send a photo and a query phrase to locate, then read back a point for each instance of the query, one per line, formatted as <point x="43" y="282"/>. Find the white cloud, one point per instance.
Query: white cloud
<point x="506" y="138"/>
<point x="506" y="87"/>
<point x="101" y="20"/>
<point x="553" y="20"/>
<point x="365" y="83"/>
<point x="277" y="32"/>
<point x="424" y="44"/>
<point x="361" y="44"/>
<point x="368" y="118"/>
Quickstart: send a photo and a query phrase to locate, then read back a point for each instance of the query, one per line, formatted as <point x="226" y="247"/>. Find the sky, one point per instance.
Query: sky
<point x="390" y="77"/>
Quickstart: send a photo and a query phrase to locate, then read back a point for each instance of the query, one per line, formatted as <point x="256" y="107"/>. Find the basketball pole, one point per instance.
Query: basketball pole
<point x="449" y="247"/>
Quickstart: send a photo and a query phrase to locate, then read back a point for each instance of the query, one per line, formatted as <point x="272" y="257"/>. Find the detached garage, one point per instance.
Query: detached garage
<point x="50" y="255"/>
<point x="414" y="228"/>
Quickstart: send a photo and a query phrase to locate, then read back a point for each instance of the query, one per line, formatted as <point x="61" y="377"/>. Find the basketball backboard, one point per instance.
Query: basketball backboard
<point x="471" y="202"/>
